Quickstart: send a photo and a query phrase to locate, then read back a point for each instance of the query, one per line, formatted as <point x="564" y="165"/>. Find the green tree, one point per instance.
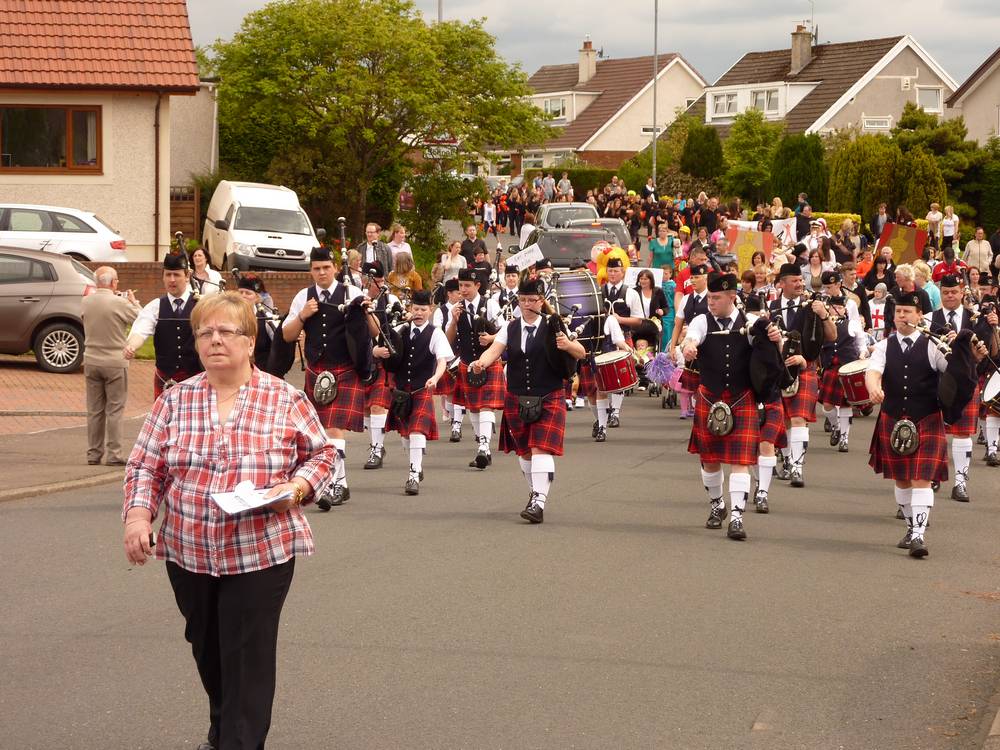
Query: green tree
<point x="702" y="153"/>
<point x="798" y="166"/>
<point x="669" y="149"/>
<point x="749" y="152"/>
<point x="347" y="88"/>
<point x="922" y="183"/>
<point x="437" y="195"/>
<point x="864" y="173"/>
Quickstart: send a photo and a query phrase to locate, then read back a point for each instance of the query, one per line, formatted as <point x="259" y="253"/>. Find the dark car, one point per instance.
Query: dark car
<point x="41" y="297"/>
<point x="563" y="246"/>
<point x="617" y="226"/>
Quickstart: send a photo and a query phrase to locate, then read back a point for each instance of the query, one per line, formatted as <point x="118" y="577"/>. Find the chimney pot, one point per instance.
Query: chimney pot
<point x="588" y="62"/>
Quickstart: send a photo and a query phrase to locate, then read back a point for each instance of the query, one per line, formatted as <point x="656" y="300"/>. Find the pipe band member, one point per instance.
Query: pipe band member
<point x="626" y="308"/>
<point x="534" y="412"/>
<point x="168" y="320"/>
<point x="447" y="385"/>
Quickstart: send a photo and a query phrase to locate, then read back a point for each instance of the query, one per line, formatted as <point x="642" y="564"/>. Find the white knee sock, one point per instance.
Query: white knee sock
<point x="617" y="399"/>
<point x="418" y="441"/>
<point x="446" y="405"/>
<point x="798" y="443"/>
<point x="485" y="431"/>
<point x="368" y="423"/>
<point x="377" y="422"/>
<point x="713" y="486"/>
<point x="457" y="412"/>
<point x="961" y="454"/>
<point x="593" y="409"/>
<point x="844" y="419"/>
<point x="828" y="413"/>
<point x="340" y="465"/>
<point x="903" y="501"/>
<point x="543" y="471"/>
<point x="992" y="433"/>
<point x="765" y="470"/>
<point x="921" y="503"/>
<point x="602" y="412"/>
<point x="739" y="490"/>
<point x="525" y="464"/>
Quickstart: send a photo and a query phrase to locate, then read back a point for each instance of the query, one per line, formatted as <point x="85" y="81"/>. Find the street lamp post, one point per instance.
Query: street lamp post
<point x="656" y="69"/>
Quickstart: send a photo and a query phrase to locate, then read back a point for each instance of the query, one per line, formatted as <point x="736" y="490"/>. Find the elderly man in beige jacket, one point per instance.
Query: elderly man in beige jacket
<point x="106" y="318"/>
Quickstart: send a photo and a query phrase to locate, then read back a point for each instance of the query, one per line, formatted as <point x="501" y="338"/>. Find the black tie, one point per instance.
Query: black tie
<point x="723" y="323"/>
<point x="788" y="314"/>
<point x="472" y="311"/>
<point x="906" y="346"/>
<point x="951" y="320"/>
<point x="178" y="305"/>
<point x="530" y="330"/>
<point x="326" y="296"/>
<point x="414" y="333"/>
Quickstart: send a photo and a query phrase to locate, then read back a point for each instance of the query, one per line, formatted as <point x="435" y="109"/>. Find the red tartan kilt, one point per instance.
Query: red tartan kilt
<point x="966" y="426"/>
<point x="379" y="393"/>
<point x="830" y="389"/>
<point x="690" y="380"/>
<point x="421" y="417"/>
<point x="773" y="430"/>
<point x="739" y="447"/>
<point x="544" y="435"/>
<point x="803" y="404"/>
<point x="486" y="397"/>
<point x="929" y="463"/>
<point x="160" y="377"/>
<point x="587" y="386"/>
<point x="446" y="385"/>
<point x="347" y="411"/>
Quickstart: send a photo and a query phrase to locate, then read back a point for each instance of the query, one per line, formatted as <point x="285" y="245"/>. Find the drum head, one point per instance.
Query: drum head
<point x="608" y="357"/>
<point x="992" y="388"/>
<point x="579" y="289"/>
<point x="849" y="368"/>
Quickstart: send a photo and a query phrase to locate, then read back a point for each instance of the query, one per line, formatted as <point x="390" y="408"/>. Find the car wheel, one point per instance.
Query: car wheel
<point x="59" y="348"/>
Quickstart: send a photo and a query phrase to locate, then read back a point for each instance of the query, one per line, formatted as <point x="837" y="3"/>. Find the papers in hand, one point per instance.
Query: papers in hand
<point x="245" y="498"/>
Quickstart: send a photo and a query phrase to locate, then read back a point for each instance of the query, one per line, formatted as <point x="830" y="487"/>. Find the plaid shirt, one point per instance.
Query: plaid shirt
<point x="182" y="455"/>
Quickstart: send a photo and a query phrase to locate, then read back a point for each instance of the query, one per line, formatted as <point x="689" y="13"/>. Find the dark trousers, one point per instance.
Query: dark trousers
<point x="232" y="626"/>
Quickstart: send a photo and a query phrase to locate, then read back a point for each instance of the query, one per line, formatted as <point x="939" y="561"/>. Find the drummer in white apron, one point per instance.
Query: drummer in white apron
<point x="626" y="308"/>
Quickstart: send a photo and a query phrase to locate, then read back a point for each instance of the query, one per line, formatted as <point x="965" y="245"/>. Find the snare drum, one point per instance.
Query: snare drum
<point x="580" y="289"/>
<point x="615" y="372"/>
<point x="991" y="393"/>
<point x="852" y="380"/>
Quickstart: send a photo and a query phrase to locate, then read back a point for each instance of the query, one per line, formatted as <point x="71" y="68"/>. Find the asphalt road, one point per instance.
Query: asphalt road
<point x="444" y="621"/>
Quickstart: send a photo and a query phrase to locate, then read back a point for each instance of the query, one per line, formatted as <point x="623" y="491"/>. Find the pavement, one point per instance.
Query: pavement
<point x="444" y="621"/>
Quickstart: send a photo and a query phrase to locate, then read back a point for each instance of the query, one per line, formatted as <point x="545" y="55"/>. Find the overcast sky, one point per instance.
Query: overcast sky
<point x="711" y="34"/>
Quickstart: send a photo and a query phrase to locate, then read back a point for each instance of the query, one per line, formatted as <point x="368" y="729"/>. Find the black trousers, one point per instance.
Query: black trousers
<point x="232" y="626"/>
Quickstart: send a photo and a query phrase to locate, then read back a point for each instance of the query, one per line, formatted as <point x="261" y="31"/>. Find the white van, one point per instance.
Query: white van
<point x="252" y="226"/>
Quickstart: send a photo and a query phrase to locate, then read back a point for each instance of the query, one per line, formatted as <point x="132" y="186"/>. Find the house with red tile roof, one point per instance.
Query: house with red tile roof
<point x="605" y="107"/>
<point x="819" y="88"/>
<point x="85" y="100"/>
<point x="978" y="100"/>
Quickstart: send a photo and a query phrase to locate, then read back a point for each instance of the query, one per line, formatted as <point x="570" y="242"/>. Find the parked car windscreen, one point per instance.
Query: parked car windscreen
<point x="557" y="217"/>
<point x="257" y="219"/>
<point x="563" y="247"/>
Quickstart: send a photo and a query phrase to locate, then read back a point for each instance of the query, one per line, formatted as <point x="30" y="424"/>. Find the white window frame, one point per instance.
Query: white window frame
<point x="868" y="119"/>
<point x="533" y="160"/>
<point x="558" y="112"/>
<point x="940" y="94"/>
<point x="770" y="97"/>
<point x="730" y="99"/>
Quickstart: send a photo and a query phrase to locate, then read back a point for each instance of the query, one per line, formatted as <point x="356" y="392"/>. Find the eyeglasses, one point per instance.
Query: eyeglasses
<point x="225" y="333"/>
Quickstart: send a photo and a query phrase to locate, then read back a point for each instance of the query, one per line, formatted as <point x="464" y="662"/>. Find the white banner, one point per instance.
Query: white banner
<point x="527" y="257"/>
<point x="632" y="275"/>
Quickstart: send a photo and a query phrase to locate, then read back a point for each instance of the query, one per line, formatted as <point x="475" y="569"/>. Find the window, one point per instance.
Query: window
<point x="929" y="99"/>
<point x="67" y="223"/>
<point x="765" y="100"/>
<point x="43" y="139"/>
<point x="29" y="220"/>
<point x="555" y="107"/>
<point x="532" y="161"/>
<point x="876" y="123"/>
<point x="14" y="270"/>
<point x="724" y="104"/>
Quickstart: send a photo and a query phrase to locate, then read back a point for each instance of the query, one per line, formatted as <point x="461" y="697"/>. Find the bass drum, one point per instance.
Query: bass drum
<point x="991" y="393"/>
<point x="580" y="289"/>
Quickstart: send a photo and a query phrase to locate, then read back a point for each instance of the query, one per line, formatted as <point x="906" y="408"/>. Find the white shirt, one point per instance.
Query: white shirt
<point x="502" y="333"/>
<point x="526" y="230"/>
<point x="145" y="323"/>
<point x="631" y="299"/>
<point x="302" y="296"/>
<point x="613" y="329"/>
<point x="697" y="329"/>
<point x="439" y="346"/>
<point x="211" y="285"/>
<point x="959" y="316"/>
<point x="438" y="318"/>
<point x="492" y="308"/>
<point x="369" y="252"/>
<point x="877" y="361"/>
<point x="679" y="312"/>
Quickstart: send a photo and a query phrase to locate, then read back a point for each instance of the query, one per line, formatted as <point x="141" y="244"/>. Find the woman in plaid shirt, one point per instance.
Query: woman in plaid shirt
<point x="230" y="573"/>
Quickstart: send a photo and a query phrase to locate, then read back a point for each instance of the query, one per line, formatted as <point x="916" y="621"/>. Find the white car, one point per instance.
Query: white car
<point x="79" y="234"/>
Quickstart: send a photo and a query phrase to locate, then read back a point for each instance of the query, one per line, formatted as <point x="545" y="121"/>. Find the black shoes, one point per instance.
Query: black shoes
<point x="613" y="419"/>
<point x="783" y="468"/>
<point x="827" y="425"/>
<point x="834" y="437"/>
<point x="601" y="435"/>
<point x="593" y="431"/>
<point x="842" y="445"/>
<point x="960" y="492"/>
<point x="796" y="477"/>
<point x="412" y="486"/>
<point x="533" y="512"/>
<point x="904" y="543"/>
<point x="992" y="460"/>
<point x="483" y="458"/>
<point x="338" y="496"/>
<point x="899" y="514"/>
<point x="456" y="434"/>
<point x="736" y="530"/>
<point x="374" y="458"/>
<point x="716" y="517"/>
<point x="760" y="502"/>
<point x="918" y="548"/>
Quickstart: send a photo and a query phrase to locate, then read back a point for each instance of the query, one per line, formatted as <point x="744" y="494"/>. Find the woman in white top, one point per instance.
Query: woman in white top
<point x="204" y="279"/>
<point x="452" y="261"/>
<point x="934" y="217"/>
<point x="949" y="227"/>
<point x="397" y="240"/>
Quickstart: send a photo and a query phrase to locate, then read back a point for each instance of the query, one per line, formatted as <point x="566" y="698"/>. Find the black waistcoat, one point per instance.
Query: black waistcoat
<point x="845" y="348"/>
<point x="695" y="307"/>
<point x="529" y="373"/>
<point x="468" y="341"/>
<point x="262" y="346"/>
<point x="909" y="382"/>
<point x="618" y="304"/>
<point x="419" y="362"/>
<point x="724" y="360"/>
<point x="794" y="319"/>
<point x="939" y="320"/>
<point x="173" y="340"/>
<point x="326" y="333"/>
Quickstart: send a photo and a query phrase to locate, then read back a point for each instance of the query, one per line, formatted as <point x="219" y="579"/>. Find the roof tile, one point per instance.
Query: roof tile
<point x="132" y="44"/>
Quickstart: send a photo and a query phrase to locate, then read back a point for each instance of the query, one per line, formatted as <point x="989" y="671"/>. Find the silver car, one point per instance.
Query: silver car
<point x="41" y="296"/>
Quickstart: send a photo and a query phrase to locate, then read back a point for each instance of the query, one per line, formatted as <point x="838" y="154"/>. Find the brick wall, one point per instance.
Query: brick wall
<point x="146" y="280"/>
<point x="605" y="159"/>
